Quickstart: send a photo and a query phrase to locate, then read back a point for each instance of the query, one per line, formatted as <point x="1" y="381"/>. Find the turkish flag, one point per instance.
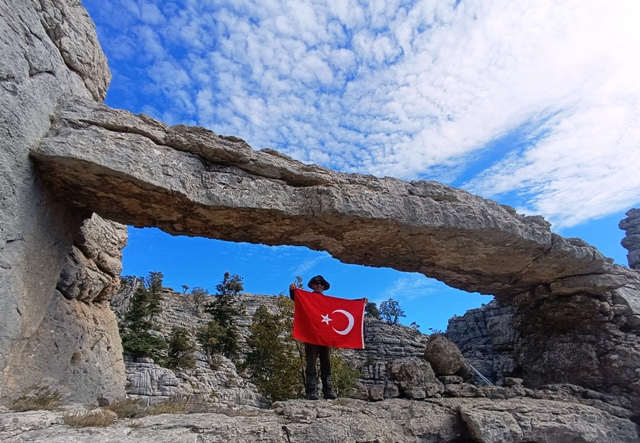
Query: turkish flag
<point x="328" y="321"/>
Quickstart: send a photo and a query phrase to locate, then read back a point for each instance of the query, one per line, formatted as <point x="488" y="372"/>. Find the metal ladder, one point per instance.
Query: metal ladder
<point x="482" y="377"/>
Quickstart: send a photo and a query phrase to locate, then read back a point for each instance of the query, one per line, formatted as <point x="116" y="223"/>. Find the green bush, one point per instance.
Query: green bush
<point x="371" y="310"/>
<point x="273" y="359"/>
<point x="390" y="311"/>
<point x="344" y="378"/>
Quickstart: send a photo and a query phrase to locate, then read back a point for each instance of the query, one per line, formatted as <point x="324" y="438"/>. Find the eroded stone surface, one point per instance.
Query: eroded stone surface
<point x="486" y="338"/>
<point x="575" y="315"/>
<point x="445" y="357"/>
<point x="92" y="270"/>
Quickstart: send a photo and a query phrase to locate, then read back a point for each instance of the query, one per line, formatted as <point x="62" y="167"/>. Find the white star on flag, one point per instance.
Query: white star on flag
<point x="326" y="319"/>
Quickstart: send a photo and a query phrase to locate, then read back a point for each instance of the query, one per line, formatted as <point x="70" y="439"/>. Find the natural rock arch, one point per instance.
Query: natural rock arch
<point x="190" y="181"/>
<point x="577" y="314"/>
<point x="187" y="180"/>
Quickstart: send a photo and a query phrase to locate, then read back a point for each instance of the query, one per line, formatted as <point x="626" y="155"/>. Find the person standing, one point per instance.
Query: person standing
<point x="312" y="352"/>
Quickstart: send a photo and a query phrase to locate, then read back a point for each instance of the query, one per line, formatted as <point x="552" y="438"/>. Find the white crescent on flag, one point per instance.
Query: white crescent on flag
<point x="349" y="317"/>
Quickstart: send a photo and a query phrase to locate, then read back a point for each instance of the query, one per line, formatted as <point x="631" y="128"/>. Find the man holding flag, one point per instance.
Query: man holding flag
<point x="322" y="322"/>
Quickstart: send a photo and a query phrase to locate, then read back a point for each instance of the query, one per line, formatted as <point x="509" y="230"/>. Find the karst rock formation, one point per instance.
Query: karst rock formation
<point x="74" y="171"/>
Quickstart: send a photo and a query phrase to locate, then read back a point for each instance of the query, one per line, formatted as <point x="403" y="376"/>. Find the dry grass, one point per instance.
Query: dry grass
<point x="174" y="405"/>
<point x="97" y="419"/>
<point x="181" y="404"/>
<point x="127" y="408"/>
<point x="37" y="399"/>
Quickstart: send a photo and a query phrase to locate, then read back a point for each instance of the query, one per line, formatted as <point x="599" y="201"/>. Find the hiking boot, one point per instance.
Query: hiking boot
<point x="329" y="395"/>
<point x="311" y="387"/>
<point x="327" y="388"/>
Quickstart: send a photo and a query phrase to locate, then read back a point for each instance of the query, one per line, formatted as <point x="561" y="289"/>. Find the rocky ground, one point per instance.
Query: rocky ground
<point x="344" y="421"/>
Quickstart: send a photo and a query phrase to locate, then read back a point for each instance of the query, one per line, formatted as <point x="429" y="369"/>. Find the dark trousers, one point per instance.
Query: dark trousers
<point x="312" y="352"/>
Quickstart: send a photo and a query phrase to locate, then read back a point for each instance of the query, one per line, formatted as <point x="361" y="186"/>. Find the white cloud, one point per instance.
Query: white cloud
<point x="150" y="41"/>
<point x="150" y="14"/>
<point x="306" y="265"/>
<point x="409" y="287"/>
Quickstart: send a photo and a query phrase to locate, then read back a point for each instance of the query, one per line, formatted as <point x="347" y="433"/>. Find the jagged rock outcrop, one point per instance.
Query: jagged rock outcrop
<point x="92" y="270"/>
<point x="392" y="366"/>
<point x="486" y="338"/>
<point x="631" y="225"/>
<point x="222" y="384"/>
<point x="153" y="384"/>
<point x="48" y="49"/>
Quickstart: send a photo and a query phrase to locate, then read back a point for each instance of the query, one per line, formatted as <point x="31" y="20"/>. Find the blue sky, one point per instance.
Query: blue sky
<point x="535" y="104"/>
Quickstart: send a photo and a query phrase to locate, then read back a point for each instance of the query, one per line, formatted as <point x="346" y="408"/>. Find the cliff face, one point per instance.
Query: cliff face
<point x="48" y="50"/>
<point x="392" y="363"/>
<point x="487" y="339"/>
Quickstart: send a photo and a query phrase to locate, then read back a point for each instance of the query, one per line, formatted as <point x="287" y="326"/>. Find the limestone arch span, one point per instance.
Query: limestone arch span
<point x="190" y="181"/>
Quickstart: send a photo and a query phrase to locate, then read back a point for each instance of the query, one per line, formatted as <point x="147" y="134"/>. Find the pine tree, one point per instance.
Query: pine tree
<point x="286" y="309"/>
<point x="181" y="350"/>
<point x="371" y="310"/>
<point x="224" y="311"/>
<point x="209" y="337"/>
<point x="230" y="285"/>
<point x="198" y="297"/>
<point x="139" y="331"/>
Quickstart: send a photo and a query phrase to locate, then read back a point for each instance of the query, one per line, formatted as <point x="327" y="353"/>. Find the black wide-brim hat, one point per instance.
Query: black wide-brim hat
<point x="319" y="279"/>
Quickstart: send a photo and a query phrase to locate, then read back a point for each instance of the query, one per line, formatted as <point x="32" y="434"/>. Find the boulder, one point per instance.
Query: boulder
<point x="415" y="378"/>
<point x="445" y="357"/>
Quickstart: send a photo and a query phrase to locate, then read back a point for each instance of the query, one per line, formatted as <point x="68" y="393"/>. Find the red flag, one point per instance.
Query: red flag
<point x="328" y="321"/>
